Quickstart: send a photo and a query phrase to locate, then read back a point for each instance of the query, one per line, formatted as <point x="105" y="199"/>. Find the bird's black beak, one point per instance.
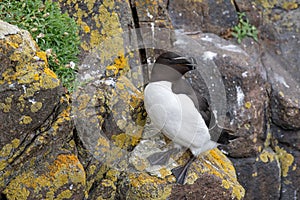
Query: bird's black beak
<point x="191" y="61"/>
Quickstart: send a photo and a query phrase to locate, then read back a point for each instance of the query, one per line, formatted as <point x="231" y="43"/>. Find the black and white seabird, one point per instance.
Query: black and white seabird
<point x="175" y="109"/>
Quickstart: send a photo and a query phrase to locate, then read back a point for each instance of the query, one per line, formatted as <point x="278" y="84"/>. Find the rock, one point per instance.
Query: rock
<point x="260" y="174"/>
<point x="26" y="85"/>
<point x="203" y="16"/>
<point x="206" y="176"/>
<point x="287" y="148"/>
<point x="34" y="116"/>
<point x="228" y="73"/>
<point x="105" y="107"/>
<point x="290" y="137"/>
<point x="290" y="172"/>
<point x="251" y="10"/>
<point x="285" y="92"/>
<point x="63" y="178"/>
<point x="275" y="61"/>
<point x="255" y="93"/>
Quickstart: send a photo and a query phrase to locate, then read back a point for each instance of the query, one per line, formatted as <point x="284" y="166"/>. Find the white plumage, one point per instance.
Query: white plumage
<point x="177" y="117"/>
<point x="176" y="110"/>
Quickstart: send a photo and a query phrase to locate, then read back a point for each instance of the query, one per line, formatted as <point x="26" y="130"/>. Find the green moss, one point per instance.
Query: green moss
<point x="54" y="32"/>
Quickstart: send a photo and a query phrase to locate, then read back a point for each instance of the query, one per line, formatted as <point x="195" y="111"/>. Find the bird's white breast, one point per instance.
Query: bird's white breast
<point x="177" y="117"/>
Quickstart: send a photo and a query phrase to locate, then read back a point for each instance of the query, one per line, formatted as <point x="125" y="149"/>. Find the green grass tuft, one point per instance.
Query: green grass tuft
<point x="244" y="28"/>
<point x="51" y="29"/>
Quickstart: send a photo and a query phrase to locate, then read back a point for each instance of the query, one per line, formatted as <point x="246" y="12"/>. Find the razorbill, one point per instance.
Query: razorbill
<point x="177" y="111"/>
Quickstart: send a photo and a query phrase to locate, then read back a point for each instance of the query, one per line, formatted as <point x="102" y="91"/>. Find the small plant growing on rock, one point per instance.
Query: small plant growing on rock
<point x="54" y="32"/>
<point x="244" y="28"/>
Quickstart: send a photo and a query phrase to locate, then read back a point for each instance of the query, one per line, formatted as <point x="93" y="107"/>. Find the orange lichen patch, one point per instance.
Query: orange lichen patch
<point x="9" y="75"/>
<point x="14" y="45"/>
<point x="36" y="77"/>
<point x="268" y="139"/>
<point x="42" y="55"/>
<point x="120" y="63"/>
<point x="108" y="183"/>
<point x="136" y="99"/>
<point x="281" y="93"/>
<point x="86" y="29"/>
<point x="49" y="72"/>
<point x="49" y="79"/>
<point x="294" y="167"/>
<point x="66" y="114"/>
<point x="225" y="184"/>
<point x="63" y="162"/>
<point x="142" y="179"/>
<point x="267" y="4"/>
<point x="286" y="160"/>
<point x="66" y="194"/>
<point x="66" y="169"/>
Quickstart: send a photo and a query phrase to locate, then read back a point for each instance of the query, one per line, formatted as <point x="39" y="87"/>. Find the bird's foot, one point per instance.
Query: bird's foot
<point x="161" y="158"/>
<point x="180" y="172"/>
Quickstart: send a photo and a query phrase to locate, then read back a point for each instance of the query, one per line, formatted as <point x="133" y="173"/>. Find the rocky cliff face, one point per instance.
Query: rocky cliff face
<point x="93" y="144"/>
<point x="38" y="158"/>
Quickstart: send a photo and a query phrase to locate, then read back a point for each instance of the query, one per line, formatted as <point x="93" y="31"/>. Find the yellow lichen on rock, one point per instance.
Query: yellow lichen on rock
<point x="42" y="55"/>
<point x="35" y="75"/>
<point x="124" y="141"/>
<point x="266" y="156"/>
<point x="290" y="5"/>
<point x="6" y="105"/>
<point x="286" y="160"/>
<point x="36" y="106"/>
<point x="216" y="163"/>
<point x="8" y="148"/>
<point x="120" y="63"/>
<point x="248" y="105"/>
<point x="268" y="3"/>
<point x="103" y="33"/>
<point x="145" y="186"/>
<point x="66" y="169"/>
<point x="25" y="120"/>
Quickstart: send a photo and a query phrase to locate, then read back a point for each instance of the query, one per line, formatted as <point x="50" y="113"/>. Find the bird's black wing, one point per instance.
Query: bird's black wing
<point x="218" y="134"/>
<point x="181" y="86"/>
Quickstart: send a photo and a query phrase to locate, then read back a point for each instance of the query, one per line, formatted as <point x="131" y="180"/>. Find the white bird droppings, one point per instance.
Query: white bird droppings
<point x="208" y="55"/>
<point x="239" y="95"/>
<point x="149" y="14"/>
<point x="245" y="74"/>
<point x="206" y="38"/>
<point x="281" y="80"/>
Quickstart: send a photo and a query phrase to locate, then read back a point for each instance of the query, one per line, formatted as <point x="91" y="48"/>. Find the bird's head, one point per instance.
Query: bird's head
<point x="171" y="66"/>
